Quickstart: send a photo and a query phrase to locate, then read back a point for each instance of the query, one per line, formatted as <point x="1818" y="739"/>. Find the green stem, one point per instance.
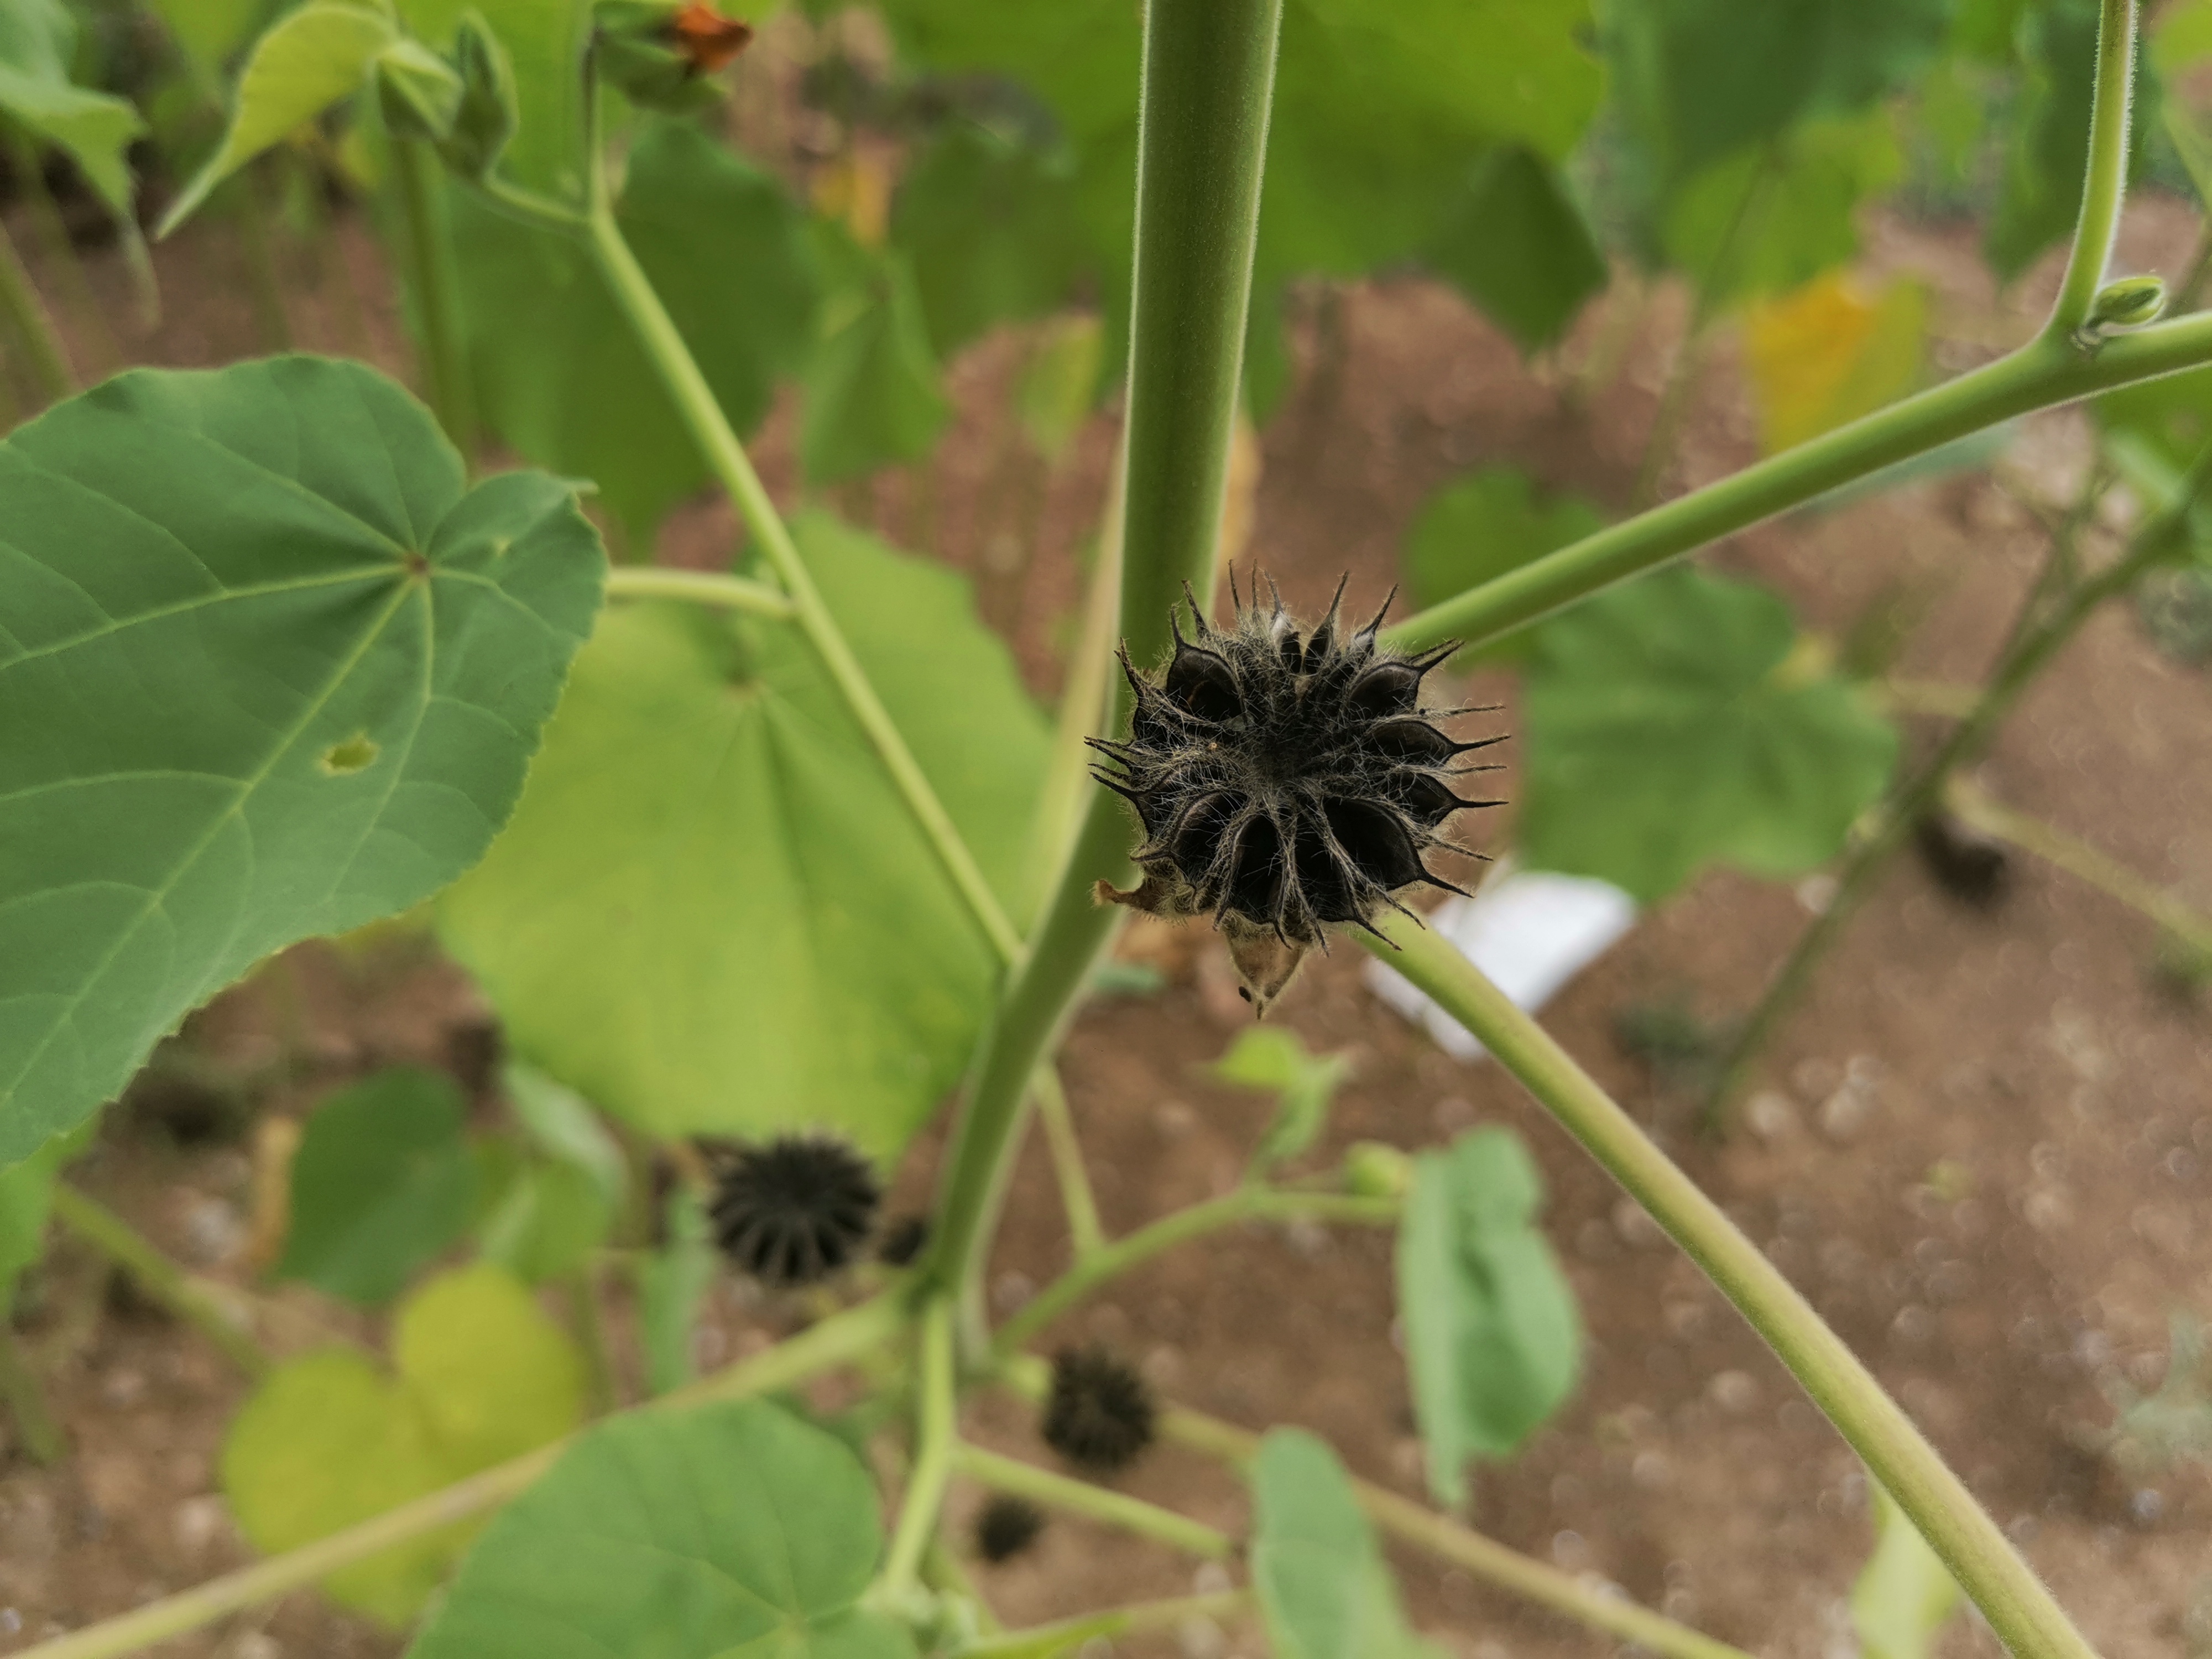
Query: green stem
<point x="647" y="581"/>
<point x="2038" y="635"/>
<point x="1084" y="1234"/>
<point x="1114" y="1509"/>
<point x="36" y="1430"/>
<point x="202" y="1305"/>
<point x="710" y="430"/>
<point x="935" y="1426"/>
<point x="582" y="1289"/>
<point x="268" y="289"/>
<point x="1973" y="1546"/>
<point x="1111" y="1260"/>
<point x="836" y="1341"/>
<point x="57" y="254"/>
<point x="1061" y="1634"/>
<point x="1202" y="137"/>
<point x="19" y="301"/>
<point x="435" y="278"/>
<point x="2106" y="182"/>
<point x="1510" y="1570"/>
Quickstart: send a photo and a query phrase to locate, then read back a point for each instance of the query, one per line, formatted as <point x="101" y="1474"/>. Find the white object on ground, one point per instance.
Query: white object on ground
<point x="1531" y="931"/>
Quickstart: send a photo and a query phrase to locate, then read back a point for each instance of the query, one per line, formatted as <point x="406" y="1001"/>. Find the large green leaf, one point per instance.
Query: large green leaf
<point x="712" y="911"/>
<point x="1325" y="1591"/>
<point x="1517" y="245"/>
<point x="1905" y="1595"/>
<point x="479" y="1374"/>
<point x="308" y="61"/>
<point x="382" y="1184"/>
<point x="1492" y="1339"/>
<point x="1482" y="525"/>
<point x="558" y="367"/>
<point x="210" y="30"/>
<point x="270" y="670"/>
<point x="38" y="38"/>
<point x="1671" y="726"/>
<point x="729" y="1531"/>
<point x="872" y="392"/>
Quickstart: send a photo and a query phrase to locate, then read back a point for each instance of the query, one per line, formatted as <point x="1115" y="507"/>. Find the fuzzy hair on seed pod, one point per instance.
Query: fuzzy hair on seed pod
<point x="1288" y="779"/>
<point x="1099" y="1413"/>
<point x="795" y="1210"/>
<point x="1006" y="1527"/>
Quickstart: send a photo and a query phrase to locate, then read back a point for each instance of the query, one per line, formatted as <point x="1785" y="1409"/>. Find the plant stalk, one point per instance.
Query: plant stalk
<point x="36" y="1429"/>
<point x="1084" y="1234"/>
<point x="2106" y="185"/>
<point x="198" y="1304"/>
<point x="1114" y="1509"/>
<point x="836" y="1341"/>
<point x="1111" y="1260"/>
<point x="1971" y="1546"/>
<point x="1061" y="1634"/>
<point x="436" y="279"/>
<point x="42" y="345"/>
<point x="936" y="1425"/>
<point x="1209" y="77"/>
<point x="648" y="582"/>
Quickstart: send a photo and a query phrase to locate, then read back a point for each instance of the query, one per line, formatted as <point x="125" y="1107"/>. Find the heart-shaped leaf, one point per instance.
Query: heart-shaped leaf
<point x="1325" y="1591"/>
<point x="271" y="670"/>
<point x="729" y="1531"/>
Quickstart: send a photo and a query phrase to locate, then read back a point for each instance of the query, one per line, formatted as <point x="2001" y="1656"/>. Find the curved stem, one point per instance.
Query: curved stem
<point x="1111" y="1260"/>
<point x="2106" y="182"/>
<point x="932" y="1463"/>
<point x="710" y="428"/>
<point x="1976" y="1552"/>
<point x="436" y="282"/>
<point x="1202" y="139"/>
<point x="19" y="303"/>
<point x="202" y="1306"/>
<point x="648" y="582"/>
<point x="1084" y="1234"/>
<point x="1116" y="1509"/>
<point x="1039" y="1641"/>
<point x="836" y="1341"/>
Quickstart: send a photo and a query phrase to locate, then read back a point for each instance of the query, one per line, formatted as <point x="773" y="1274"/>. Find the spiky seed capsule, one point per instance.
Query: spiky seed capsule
<point x="1006" y="1527"/>
<point x="1099" y="1413"/>
<point x="1286" y="779"/>
<point x="795" y="1210"/>
<point x="903" y="1241"/>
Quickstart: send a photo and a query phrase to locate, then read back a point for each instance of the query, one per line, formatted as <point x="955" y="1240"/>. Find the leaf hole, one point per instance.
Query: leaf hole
<point x="357" y="753"/>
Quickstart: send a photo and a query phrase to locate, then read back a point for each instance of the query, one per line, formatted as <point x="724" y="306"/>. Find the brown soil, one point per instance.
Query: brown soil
<point x="1982" y="1154"/>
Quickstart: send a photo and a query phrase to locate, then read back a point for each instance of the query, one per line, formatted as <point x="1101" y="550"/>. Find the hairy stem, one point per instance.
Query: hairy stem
<point x="1116" y="1509"/>
<point x="1084" y="1234"/>
<point x="935" y="1427"/>
<point x="1111" y="1260"/>
<point x="1202" y="137"/>
<point x="204" y="1307"/>
<point x="19" y="303"/>
<point x="2107" y="181"/>
<point x="1976" y="1552"/>
<point x="652" y="581"/>
<point x="836" y="1341"/>
<point x="435" y="282"/>
<point x="710" y="428"/>
<point x="1065" y="1633"/>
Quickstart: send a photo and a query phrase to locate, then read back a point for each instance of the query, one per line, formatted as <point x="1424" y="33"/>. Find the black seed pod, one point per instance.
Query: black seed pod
<point x="795" y="1210"/>
<point x="1099" y="1413"/>
<point x="1006" y="1527"/>
<point x="1287" y="779"/>
<point x="903" y="1241"/>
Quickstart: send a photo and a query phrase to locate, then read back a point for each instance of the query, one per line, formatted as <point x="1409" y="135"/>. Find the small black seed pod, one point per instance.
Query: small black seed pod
<point x="903" y="1241"/>
<point x="1099" y="1413"/>
<point x="795" y="1210"/>
<point x="1006" y="1527"/>
<point x="1287" y="779"/>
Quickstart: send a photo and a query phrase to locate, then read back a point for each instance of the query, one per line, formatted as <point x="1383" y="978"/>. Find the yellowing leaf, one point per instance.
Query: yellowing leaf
<point x="1828" y="353"/>
<point x="1904" y="1595"/>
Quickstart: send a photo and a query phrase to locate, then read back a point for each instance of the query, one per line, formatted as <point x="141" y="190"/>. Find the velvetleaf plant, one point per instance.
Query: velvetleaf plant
<point x="359" y="653"/>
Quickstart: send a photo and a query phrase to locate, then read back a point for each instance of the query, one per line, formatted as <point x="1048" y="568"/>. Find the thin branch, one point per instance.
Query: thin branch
<point x="1067" y="1166"/>
<point x="935" y="1428"/>
<point x="1040" y="1641"/>
<point x="1971" y="1546"/>
<point x="2106" y="182"/>
<point x="645" y="581"/>
<point x="215" y="1311"/>
<point x="1101" y="1504"/>
<point x="36" y="1430"/>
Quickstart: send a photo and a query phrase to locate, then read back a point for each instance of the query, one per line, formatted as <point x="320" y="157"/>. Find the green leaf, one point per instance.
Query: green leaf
<point x="1831" y="352"/>
<point x="671" y="1287"/>
<point x="1059" y="383"/>
<point x="1483" y="525"/>
<point x="308" y="61"/>
<point x="563" y="1127"/>
<point x="1671" y="726"/>
<point x="481" y="1375"/>
<point x="269" y="672"/>
<point x="558" y="367"/>
<point x="729" y="1531"/>
<point x="1325" y="1591"/>
<point x="545" y="39"/>
<point x="1770" y="217"/>
<point x="871" y="391"/>
<point x="1493" y="1342"/>
<point x="560" y="1200"/>
<point x="2170" y="417"/>
<point x="38" y="40"/>
<point x="1272" y="1059"/>
<point x="1903" y="1595"/>
<point x="27" y="1192"/>
<point x="210" y="30"/>
<point x="1517" y="244"/>
<point x="842" y="981"/>
<point x="381" y="1185"/>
